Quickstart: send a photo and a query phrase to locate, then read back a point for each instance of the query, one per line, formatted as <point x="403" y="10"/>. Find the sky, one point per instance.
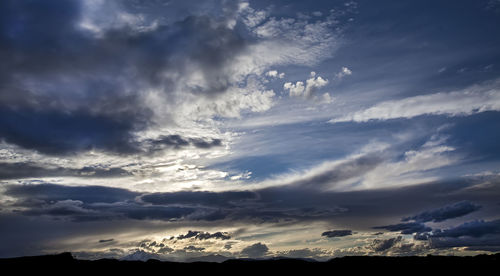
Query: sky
<point x="249" y="129"/>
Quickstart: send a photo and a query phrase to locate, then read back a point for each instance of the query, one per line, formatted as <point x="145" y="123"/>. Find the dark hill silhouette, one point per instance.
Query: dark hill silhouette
<point x="65" y="263"/>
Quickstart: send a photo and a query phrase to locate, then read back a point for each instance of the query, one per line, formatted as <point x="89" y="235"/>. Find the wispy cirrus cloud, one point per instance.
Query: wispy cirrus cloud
<point x="474" y="99"/>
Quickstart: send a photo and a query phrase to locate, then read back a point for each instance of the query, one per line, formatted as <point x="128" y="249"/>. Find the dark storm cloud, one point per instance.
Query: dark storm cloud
<point x="87" y="203"/>
<point x="422" y="231"/>
<point x="447" y="212"/>
<point x="336" y="233"/>
<point x="478" y="235"/>
<point x="475" y="229"/>
<point x="86" y="194"/>
<point x="475" y="235"/>
<point x="255" y="250"/>
<point x="359" y="209"/>
<point x="204" y="235"/>
<point x="64" y="89"/>
<point x="406" y="228"/>
<point x="222" y="199"/>
<point x="41" y="46"/>
<point x="55" y="132"/>
<point x="80" y="212"/>
<point x="29" y="170"/>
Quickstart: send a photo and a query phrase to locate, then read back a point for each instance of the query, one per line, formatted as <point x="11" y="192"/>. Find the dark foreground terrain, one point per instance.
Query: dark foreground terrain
<point x="65" y="263"/>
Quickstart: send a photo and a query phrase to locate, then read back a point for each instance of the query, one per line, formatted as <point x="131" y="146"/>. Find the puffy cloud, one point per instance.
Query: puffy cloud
<point x="203" y="235"/>
<point x="307" y="90"/>
<point x="336" y="233"/>
<point x="255" y="250"/>
<point x="471" y="100"/>
<point x="275" y="74"/>
<point x="296" y="90"/>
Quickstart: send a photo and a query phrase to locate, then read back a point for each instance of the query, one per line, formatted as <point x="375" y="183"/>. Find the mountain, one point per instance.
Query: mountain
<point x="216" y="258"/>
<point x="67" y="264"/>
<point x="141" y="255"/>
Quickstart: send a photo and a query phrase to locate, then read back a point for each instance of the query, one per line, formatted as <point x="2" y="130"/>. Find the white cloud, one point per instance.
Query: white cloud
<point x="413" y="168"/>
<point x="307" y="91"/>
<point x="296" y="90"/>
<point x="442" y="70"/>
<point x="471" y="100"/>
<point x="343" y="72"/>
<point x="275" y="74"/>
<point x="374" y="166"/>
<point x="272" y="73"/>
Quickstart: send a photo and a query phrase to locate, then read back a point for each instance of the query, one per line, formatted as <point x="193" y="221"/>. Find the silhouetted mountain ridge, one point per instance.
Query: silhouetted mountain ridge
<point x="66" y="263"/>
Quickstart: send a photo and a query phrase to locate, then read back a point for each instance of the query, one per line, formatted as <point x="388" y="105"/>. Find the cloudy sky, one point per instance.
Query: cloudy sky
<point x="311" y="129"/>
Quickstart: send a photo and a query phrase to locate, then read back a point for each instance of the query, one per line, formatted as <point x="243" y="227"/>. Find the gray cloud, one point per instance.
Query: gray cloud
<point x="32" y="170"/>
<point x="255" y="250"/>
<point x="106" y="241"/>
<point x="336" y="233"/>
<point x="203" y="235"/>
<point x="86" y="194"/>
<point x="165" y="250"/>
<point x="406" y="228"/>
<point x="475" y="235"/>
<point x="478" y="235"/>
<point x="360" y="209"/>
<point x="379" y="245"/>
<point x="176" y="141"/>
<point x="213" y="199"/>
<point x="88" y="203"/>
<point x="475" y="229"/>
<point x="193" y="248"/>
<point x="447" y="212"/>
